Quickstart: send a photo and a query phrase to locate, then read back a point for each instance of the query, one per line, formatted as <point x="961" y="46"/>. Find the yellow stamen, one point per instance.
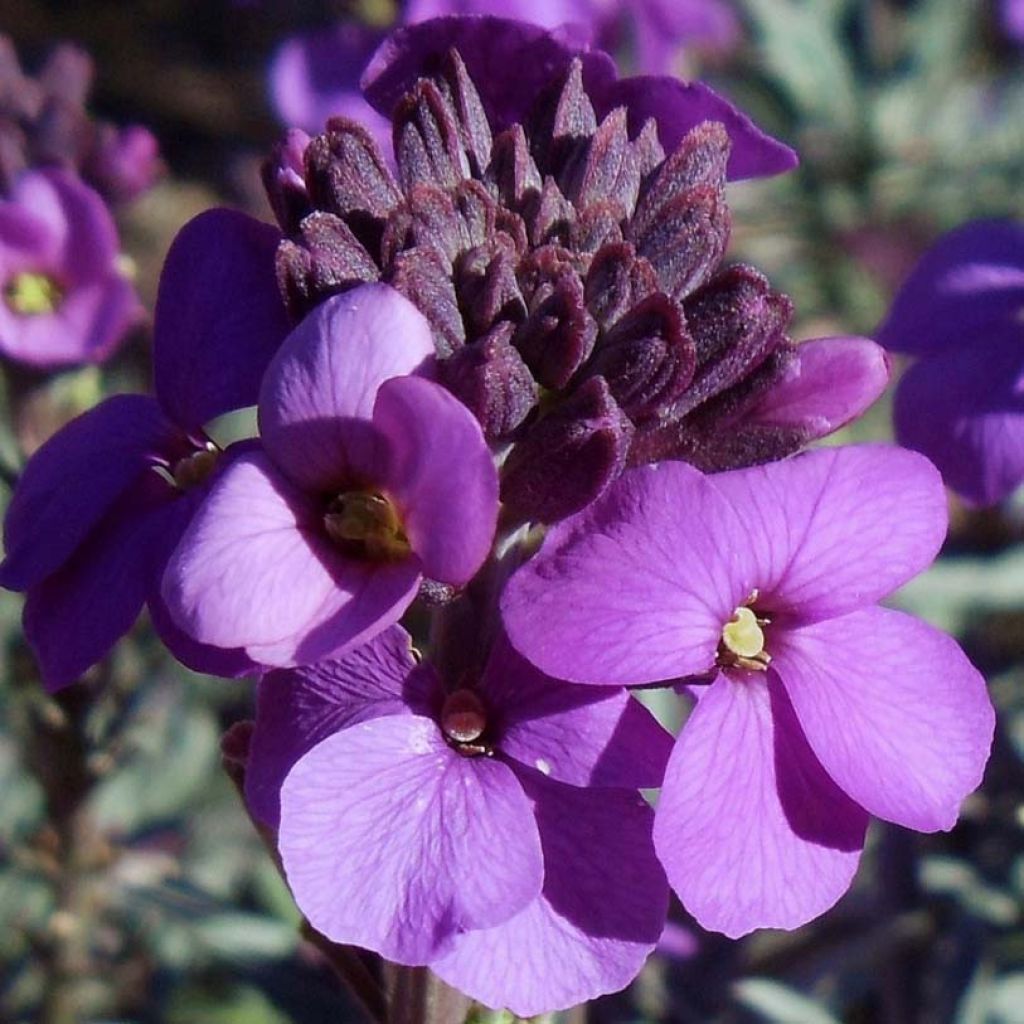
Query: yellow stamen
<point x="196" y="468"/>
<point x="368" y="525"/>
<point x="32" y="294"/>
<point x="743" y="641"/>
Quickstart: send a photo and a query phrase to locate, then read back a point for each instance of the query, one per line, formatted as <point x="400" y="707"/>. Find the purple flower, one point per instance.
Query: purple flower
<point x="962" y="402"/>
<point x="371" y="476"/>
<point x="821" y="708"/>
<point x="63" y="298"/>
<point x="101" y="505"/>
<point x="490" y="831"/>
<point x="1011" y="15"/>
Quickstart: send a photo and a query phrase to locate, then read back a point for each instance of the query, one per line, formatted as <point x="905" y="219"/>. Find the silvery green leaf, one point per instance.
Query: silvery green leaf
<point x="778" y="1003"/>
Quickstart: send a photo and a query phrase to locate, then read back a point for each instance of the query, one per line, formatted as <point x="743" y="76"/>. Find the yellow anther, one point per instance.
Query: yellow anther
<point x="743" y="641"/>
<point x="368" y="526"/>
<point x="196" y="468"/>
<point x="32" y="294"/>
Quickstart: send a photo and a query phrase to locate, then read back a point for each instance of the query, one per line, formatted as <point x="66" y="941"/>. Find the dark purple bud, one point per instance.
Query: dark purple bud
<point x="491" y="379"/>
<point x="428" y="146"/>
<point x="347" y="176"/>
<point x="67" y="75"/>
<point x="283" y="174"/>
<point x="512" y="170"/>
<point x="561" y="121"/>
<point x="569" y="457"/>
<point x="424" y="278"/>
<point x="548" y="215"/>
<point x="463" y="98"/>
<point x="62" y="134"/>
<point x="488" y="287"/>
<point x="617" y="280"/>
<point x="125" y="162"/>
<point x="647" y="358"/>
<point x="596" y="226"/>
<point x="558" y="335"/>
<point x="607" y="169"/>
<point x="327" y="259"/>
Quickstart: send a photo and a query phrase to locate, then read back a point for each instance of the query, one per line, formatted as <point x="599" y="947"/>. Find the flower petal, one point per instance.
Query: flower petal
<point x="835" y="529"/>
<point x="971" y="280"/>
<point x="297" y="708"/>
<point x="441" y="474"/>
<point x="392" y="841"/>
<point x="75" y="478"/>
<point x="634" y="589"/>
<point x="894" y="711"/>
<point x="75" y="615"/>
<point x="752" y="832"/>
<point x="598" y="918"/>
<point x="581" y="735"/>
<point x="833" y="381"/>
<point x="219" y="316"/>
<point x="254" y="570"/>
<point x="964" y="409"/>
<point x="317" y="399"/>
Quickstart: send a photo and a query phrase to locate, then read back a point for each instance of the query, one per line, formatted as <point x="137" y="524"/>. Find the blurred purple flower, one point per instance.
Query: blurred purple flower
<point x="44" y="122"/>
<point x="63" y="298"/>
<point x="962" y="402"/>
<point x="315" y="75"/>
<point x="101" y="505"/>
<point x="489" y="831"/>
<point x="1011" y="15"/>
<point x="821" y="708"/>
<point x="369" y="478"/>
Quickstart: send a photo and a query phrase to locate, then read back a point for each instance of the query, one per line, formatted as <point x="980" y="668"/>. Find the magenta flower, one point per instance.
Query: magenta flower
<point x="371" y="476"/>
<point x="962" y="402"/>
<point x="101" y="505"/>
<point x="63" y="298"/>
<point x="821" y="708"/>
<point x="489" y="832"/>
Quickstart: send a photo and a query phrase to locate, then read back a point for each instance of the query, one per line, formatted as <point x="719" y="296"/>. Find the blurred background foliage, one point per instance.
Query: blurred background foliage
<point x="132" y="886"/>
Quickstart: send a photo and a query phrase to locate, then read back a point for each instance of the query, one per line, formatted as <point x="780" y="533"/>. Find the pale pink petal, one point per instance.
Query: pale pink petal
<point x="835" y="529"/>
<point x="637" y="587"/>
<point x="317" y="398"/>
<point x="392" y="841"/>
<point x="750" y="829"/>
<point x="894" y="711"/>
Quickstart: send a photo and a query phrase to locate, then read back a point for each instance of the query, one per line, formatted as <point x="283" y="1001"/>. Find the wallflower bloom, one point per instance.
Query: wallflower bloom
<point x="490" y="832"/>
<point x="821" y="708"/>
<point x="563" y="231"/>
<point x="962" y="402"/>
<point x="370" y="477"/>
<point x="101" y="505"/>
<point x="63" y="298"/>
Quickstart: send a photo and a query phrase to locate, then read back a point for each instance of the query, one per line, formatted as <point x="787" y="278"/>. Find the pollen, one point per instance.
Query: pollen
<point x="367" y="525"/>
<point x="32" y="294"/>
<point x="743" y="641"/>
<point x="196" y="468"/>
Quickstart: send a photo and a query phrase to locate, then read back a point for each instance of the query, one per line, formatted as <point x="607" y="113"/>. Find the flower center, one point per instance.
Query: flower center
<point x="196" y="468"/>
<point x="742" y="644"/>
<point x="464" y="722"/>
<point x="367" y="525"/>
<point x="32" y="294"/>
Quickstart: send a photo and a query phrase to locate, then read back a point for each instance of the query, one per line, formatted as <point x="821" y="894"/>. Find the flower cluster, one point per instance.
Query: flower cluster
<point x="525" y="441"/>
<point x="65" y="298"/>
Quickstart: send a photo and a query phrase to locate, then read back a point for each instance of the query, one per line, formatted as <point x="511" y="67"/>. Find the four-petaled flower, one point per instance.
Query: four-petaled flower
<point x="821" y="708"/>
<point x="489" y="831"/>
<point x="370" y="477"/>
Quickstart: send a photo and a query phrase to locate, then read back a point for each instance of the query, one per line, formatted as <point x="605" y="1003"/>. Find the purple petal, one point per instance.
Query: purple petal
<point x="76" y="477"/>
<point x="315" y="76"/>
<point x="833" y="530"/>
<point x="254" y="570"/>
<point x="75" y="615"/>
<point x="964" y="409"/>
<point x="679" y="106"/>
<point x="546" y="13"/>
<point x="392" y="841"/>
<point x="510" y="62"/>
<point x="576" y="734"/>
<point x="895" y="712"/>
<point x="831" y="382"/>
<point x="598" y="918"/>
<point x="317" y="399"/>
<point x="634" y="589"/>
<point x="969" y="281"/>
<point x="297" y="708"/>
<point x="219" y="317"/>
<point x="752" y="832"/>
<point x="1011" y="14"/>
<point x="441" y="474"/>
